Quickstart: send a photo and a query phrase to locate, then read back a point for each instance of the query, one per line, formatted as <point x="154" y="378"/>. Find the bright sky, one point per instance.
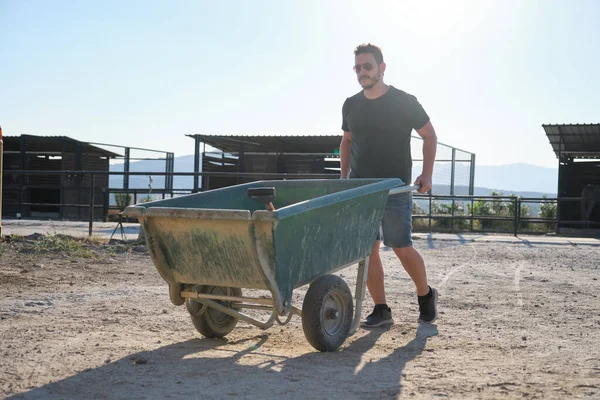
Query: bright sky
<point x="145" y="73"/>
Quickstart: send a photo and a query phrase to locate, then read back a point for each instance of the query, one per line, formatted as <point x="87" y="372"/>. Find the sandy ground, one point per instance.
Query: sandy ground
<point x="79" y="229"/>
<point x="517" y="321"/>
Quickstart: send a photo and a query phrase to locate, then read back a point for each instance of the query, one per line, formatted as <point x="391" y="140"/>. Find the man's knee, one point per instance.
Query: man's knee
<point x="406" y="251"/>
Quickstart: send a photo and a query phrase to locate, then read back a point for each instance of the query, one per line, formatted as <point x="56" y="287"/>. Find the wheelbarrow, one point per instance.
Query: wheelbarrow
<point x="269" y="235"/>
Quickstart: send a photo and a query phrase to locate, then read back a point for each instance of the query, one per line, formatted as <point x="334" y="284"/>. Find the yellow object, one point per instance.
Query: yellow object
<point x="1" y="163"/>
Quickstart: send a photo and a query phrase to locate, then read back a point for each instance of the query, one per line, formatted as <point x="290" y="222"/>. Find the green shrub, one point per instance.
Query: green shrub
<point x="446" y="209"/>
<point x="122" y="200"/>
<point x="548" y="210"/>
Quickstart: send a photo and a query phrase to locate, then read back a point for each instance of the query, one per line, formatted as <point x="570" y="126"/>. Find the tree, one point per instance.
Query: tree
<point x="548" y="210"/>
<point x="446" y="209"/>
<point x="122" y="200"/>
<point x="481" y="208"/>
<point x="523" y="210"/>
<point x="417" y="209"/>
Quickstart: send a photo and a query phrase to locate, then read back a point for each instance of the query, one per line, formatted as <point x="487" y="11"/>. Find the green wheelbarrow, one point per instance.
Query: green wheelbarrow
<point x="269" y="235"/>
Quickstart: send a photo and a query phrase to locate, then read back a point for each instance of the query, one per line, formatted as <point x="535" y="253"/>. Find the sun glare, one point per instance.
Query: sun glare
<point x="433" y="18"/>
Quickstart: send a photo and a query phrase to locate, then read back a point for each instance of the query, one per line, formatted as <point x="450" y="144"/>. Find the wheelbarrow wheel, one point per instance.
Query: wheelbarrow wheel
<point x="208" y="321"/>
<point x="327" y="313"/>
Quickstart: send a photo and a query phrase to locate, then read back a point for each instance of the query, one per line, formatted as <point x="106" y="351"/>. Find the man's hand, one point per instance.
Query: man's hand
<point x="425" y="182"/>
<point x="429" y="149"/>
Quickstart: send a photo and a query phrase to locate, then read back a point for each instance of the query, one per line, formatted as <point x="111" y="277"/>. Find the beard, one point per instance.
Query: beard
<point x="369" y="82"/>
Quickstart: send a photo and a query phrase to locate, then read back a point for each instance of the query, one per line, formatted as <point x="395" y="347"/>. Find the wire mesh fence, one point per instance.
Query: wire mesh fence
<point x="453" y="169"/>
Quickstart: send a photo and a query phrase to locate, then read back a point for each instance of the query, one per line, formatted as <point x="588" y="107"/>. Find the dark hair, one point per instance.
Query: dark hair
<point x="370" y="48"/>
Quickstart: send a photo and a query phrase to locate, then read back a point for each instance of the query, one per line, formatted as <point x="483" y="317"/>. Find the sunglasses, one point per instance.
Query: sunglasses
<point x="366" y="66"/>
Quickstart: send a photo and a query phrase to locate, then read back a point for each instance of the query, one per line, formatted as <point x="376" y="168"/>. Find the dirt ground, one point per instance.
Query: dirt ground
<point x="96" y="322"/>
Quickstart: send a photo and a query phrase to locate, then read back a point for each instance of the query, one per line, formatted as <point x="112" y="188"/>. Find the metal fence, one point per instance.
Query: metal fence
<point x="453" y="172"/>
<point x="487" y="214"/>
<point x="431" y="212"/>
<point x="454" y="169"/>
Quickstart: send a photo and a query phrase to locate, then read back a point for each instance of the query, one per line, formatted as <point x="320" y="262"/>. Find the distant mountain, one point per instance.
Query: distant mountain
<point x="522" y="179"/>
<point x="530" y="180"/>
<point x="517" y="177"/>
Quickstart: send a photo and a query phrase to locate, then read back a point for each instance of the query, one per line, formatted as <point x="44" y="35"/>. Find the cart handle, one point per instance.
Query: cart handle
<point x="265" y="195"/>
<point x="404" y="189"/>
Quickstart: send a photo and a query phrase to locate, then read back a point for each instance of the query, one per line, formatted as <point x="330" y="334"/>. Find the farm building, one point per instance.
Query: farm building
<point x="263" y="154"/>
<point x="577" y="148"/>
<point x="40" y="195"/>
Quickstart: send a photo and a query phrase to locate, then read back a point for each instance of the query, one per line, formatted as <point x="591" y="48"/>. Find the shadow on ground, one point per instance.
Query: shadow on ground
<point x="210" y="369"/>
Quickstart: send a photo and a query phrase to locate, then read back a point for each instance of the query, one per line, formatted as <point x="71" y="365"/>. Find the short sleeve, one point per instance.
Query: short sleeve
<point x="418" y="115"/>
<point x="345" y="107"/>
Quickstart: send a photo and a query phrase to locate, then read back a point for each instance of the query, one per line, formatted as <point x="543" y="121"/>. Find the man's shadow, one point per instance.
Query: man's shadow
<point x="184" y="369"/>
<point x="390" y="370"/>
<point x="379" y="378"/>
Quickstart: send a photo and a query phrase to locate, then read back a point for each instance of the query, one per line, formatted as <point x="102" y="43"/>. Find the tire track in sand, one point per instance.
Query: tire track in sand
<point x="519" y="265"/>
<point x="517" y="283"/>
<point x="458" y="267"/>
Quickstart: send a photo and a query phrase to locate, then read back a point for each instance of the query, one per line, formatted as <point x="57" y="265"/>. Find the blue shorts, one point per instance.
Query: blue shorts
<point x="396" y="225"/>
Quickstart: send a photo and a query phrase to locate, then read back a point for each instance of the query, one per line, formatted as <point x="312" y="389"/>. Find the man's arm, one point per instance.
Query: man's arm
<point x="429" y="149"/>
<point x="345" y="148"/>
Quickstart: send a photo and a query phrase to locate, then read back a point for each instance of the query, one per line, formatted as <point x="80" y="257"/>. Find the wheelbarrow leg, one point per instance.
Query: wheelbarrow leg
<point x="217" y="306"/>
<point x="361" y="284"/>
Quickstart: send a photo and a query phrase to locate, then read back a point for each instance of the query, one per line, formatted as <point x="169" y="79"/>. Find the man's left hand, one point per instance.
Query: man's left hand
<point x="425" y="182"/>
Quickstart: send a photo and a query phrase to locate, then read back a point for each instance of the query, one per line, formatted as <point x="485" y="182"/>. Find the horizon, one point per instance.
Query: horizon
<point x="118" y="161"/>
<point x="528" y="179"/>
<point x="145" y="74"/>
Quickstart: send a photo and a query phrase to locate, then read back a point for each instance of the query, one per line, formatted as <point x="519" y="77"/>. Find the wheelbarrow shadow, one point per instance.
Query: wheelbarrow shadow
<point x="170" y="371"/>
<point x="211" y="369"/>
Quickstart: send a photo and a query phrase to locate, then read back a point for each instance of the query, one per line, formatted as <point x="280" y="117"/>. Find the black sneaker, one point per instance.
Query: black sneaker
<point x="381" y="315"/>
<point x="428" y="307"/>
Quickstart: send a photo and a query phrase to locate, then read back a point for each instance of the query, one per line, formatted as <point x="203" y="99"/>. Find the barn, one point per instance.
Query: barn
<point x="41" y="195"/>
<point x="577" y="148"/>
<point x="282" y="154"/>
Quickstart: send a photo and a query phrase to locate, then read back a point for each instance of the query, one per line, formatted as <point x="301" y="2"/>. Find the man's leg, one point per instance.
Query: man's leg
<point x="397" y="233"/>
<point x="382" y="314"/>
<point x="426" y="296"/>
<point x="375" y="277"/>
<point x="415" y="267"/>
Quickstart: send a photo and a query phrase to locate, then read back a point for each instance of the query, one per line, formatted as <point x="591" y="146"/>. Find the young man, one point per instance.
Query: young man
<point x="377" y="125"/>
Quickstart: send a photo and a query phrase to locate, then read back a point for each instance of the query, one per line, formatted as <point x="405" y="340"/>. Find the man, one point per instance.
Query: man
<point x="377" y="125"/>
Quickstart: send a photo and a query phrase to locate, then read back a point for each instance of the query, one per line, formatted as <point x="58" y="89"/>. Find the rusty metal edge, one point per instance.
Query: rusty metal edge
<point x="197" y="213"/>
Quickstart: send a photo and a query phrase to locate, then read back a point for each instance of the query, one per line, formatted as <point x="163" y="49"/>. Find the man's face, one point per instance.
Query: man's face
<point x="368" y="72"/>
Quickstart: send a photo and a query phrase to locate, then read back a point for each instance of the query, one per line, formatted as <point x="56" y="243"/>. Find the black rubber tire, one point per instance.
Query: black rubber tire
<point x="323" y="329"/>
<point x="212" y="323"/>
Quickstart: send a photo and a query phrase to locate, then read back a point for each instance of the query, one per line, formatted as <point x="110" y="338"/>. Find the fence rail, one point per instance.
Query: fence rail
<point x="432" y="212"/>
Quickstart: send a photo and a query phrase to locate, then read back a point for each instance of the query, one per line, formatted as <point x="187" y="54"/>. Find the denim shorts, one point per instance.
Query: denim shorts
<point x="396" y="225"/>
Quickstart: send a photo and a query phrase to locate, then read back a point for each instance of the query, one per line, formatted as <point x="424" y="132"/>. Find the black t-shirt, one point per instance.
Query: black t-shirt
<point x="381" y="131"/>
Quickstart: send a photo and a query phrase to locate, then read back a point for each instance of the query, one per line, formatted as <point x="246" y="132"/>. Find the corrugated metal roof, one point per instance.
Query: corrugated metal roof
<point x="308" y="144"/>
<point x="54" y="143"/>
<point x="574" y="140"/>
